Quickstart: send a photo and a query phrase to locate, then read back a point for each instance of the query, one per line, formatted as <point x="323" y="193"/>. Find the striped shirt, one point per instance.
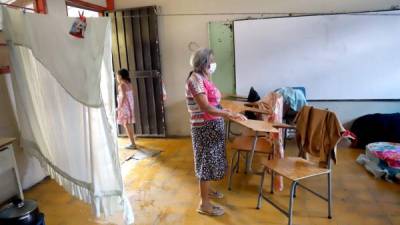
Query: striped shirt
<point x="198" y="84"/>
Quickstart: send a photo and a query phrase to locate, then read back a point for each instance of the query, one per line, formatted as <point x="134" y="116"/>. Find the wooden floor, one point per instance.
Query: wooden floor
<point x="163" y="190"/>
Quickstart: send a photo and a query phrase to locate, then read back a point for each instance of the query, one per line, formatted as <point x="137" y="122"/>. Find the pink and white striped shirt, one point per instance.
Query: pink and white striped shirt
<point x="198" y="84"/>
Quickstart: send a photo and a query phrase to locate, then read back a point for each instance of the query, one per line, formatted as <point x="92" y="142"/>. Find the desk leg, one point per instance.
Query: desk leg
<point x="227" y="130"/>
<point x="228" y="125"/>
<point x="249" y="162"/>
<point x="21" y="194"/>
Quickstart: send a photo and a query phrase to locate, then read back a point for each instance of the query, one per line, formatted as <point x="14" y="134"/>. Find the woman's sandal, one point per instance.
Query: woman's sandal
<point x="131" y="146"/>
<point x="215" y="194"/>
<point x="215" y="211"/>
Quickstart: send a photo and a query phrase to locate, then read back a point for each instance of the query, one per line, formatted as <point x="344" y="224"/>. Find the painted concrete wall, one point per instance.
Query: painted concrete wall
<point x="8" y="128"/>
<point x="177" y="30"/>
<point x="29" y="167"/>
<point x="348" y="111"/>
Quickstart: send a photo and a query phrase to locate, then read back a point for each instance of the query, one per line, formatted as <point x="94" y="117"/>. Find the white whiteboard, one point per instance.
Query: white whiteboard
<point x="332" y="56"/>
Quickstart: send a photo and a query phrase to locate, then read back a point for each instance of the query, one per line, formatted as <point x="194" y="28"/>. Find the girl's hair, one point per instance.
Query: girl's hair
<point x="124" y="75"/>
<point x="200" y="59"/>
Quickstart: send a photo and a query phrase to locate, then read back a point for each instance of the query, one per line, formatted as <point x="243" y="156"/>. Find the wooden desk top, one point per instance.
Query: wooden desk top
<point x="238" y="106"/>
<point x="283" y="125"/>
<point x="231" y="96"/>
<point x="234" y="106"/>
<point x="258" y="125"/>
<point x="5" y="141"/>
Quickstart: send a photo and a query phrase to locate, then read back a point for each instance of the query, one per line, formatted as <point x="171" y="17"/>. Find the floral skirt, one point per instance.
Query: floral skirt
<point x="209" y="150"/>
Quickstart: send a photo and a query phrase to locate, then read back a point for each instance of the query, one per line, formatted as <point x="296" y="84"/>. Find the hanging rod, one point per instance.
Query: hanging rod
<point x="263" y="14"/>
<point x="16" y="6"/>
<point x="382" y="12"/>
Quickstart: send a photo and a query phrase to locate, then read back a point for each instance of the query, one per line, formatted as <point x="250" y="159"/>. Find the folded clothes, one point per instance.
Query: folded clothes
<point x="386" y="151"/>
<point x="383" y="160"/>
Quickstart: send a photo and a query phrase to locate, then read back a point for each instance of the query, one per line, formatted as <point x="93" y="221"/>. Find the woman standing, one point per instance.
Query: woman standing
<point x="125" y="113"/>
<point x="208" y="136"/>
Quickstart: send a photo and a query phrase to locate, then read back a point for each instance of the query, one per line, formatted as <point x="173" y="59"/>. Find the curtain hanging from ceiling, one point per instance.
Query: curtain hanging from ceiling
<point x="64" y="92"/>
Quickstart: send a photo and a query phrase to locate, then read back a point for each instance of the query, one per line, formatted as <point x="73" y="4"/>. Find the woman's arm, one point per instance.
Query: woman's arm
<point x="202" y="101"/>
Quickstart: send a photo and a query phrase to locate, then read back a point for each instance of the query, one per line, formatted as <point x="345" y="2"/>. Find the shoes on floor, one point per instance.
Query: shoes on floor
<point x="213" y="211"/>
<point x="131" y="146"/>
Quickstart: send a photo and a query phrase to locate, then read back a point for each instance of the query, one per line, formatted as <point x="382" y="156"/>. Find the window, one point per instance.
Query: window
<point x="74" y="12"/>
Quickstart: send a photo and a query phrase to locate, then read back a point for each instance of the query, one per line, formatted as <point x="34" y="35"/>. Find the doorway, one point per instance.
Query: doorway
<point x="135" y="46"/>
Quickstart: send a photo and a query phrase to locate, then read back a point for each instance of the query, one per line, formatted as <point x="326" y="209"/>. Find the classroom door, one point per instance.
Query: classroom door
<point x="135" y="46"/>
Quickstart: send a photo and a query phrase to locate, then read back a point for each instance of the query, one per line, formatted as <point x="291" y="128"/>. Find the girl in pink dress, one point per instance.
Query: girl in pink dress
<point x="125" y="112"/>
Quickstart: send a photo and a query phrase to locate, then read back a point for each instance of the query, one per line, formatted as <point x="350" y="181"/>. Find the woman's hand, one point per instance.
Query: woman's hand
<point x="236" y="116"/>
<point x="202" y="101"/>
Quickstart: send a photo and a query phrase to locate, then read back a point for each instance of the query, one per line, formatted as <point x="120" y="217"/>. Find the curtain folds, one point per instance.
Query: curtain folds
<point x="64" y="92"/>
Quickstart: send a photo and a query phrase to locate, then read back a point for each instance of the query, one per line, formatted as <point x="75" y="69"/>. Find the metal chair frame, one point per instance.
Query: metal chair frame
<point x="236" y="155"/>
<point x="293" y="186"/>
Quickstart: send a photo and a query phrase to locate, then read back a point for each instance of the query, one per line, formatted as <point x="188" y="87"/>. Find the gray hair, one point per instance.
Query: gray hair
<point x="200" y="59"/>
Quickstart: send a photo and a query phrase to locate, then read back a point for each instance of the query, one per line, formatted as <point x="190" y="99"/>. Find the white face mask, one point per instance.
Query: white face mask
<point x="213" y="67"/>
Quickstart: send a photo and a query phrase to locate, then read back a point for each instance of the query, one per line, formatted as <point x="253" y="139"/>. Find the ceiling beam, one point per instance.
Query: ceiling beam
<point x="40" y="6"/>
<point x="86" y="5"/>
<point x="110" y="5"/>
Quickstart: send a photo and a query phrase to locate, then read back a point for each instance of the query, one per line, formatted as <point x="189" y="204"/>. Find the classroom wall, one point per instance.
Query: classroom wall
<point x="29" y="168"/>
<point x="348" y="111"/>
<point x="177" y="31"/>
<point x="8" y="128"/>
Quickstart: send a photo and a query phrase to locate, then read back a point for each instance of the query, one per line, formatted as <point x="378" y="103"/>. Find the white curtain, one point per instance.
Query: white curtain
<point x="64" y="95"/>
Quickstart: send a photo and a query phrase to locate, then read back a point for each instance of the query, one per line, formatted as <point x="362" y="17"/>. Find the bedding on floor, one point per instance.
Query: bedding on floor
<point x="382" y="159"/>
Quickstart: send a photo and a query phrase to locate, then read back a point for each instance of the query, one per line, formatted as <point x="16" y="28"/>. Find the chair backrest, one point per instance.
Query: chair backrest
<point x="328" y="164"/>
<point x="317" y="133"/>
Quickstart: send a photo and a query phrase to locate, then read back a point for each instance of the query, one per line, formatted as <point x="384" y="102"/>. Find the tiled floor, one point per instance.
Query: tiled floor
<point x="163" y="190"/>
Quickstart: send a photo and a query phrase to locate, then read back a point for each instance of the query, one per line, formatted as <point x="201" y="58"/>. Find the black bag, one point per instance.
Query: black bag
<point x="252" y="97"/>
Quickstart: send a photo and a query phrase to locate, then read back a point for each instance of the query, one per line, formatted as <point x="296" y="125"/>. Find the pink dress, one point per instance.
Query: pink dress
<point x="125" y="112"/>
